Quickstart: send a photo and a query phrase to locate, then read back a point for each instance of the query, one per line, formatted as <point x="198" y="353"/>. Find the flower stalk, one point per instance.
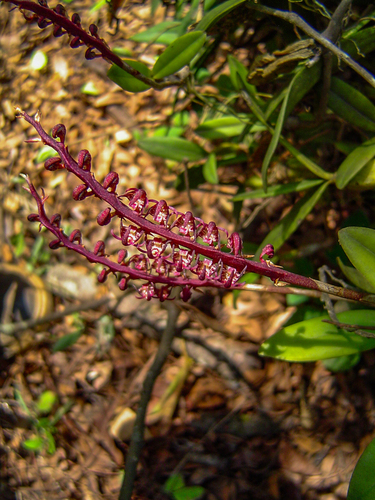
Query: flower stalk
<point x="174" y="248"/>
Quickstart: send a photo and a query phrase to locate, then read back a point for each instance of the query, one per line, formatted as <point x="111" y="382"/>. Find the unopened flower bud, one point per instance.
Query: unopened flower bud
<point x="84" y="160"/>
<point x="110" y="181"/>
<point x="121" y="256"/>
<point x="59" y="131"/>
<point x="99" y="248"/>
<point x="53" y="164"/>
<point x="55" y="244"/>
<point x="55" y="220"/>
<point x="102" y="276"/>
<point x="80" y="192"/>
<point x="104" y="217"/>
<point x="123" y="284"/>
<point x="33" y="218"/>
<point x="76" y="237"/>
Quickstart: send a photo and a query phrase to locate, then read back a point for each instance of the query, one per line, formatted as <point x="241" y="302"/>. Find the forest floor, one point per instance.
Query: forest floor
<point x="236" y="424"/>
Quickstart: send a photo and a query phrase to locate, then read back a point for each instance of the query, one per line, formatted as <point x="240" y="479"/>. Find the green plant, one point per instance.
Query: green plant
<point x="43" y="420"/>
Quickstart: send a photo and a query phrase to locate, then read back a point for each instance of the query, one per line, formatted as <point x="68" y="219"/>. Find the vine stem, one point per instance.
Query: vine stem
<point x="137" y="439"/>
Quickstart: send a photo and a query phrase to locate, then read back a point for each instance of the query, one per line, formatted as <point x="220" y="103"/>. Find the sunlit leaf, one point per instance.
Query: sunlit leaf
<point x="33" y="444"/>
<point x="127" y="81"/>
<point x="173" y="148"/>
<point x="292" y="187"/>
<point x="356" y="277"/>
<point x="359" y="245"/>
<point x="210" y="169"/>
<point x="354" y="163"/>
<point x="154" y="33"/>
<point x="46" y="401"/>
<point x="214" y="15"/>
<point x="351" y="105"/>
<point x="221" y="128"/>
<point x="314" y="339"/>
<point x="178" y="54"/>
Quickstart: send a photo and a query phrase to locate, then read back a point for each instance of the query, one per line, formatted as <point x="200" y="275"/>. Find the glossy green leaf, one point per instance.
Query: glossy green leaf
<point x="173" y="148"/>
<point x="238" y="73"/>
<point x="292" y="187"/>
<point x="125" y="80"/>
<point x="342" y="363"/>
<point x="362" y="483"/>
<point x="356" y="277"/>
<point x="210" y="169"/>
<point x="288" y="224"/>
<point x="314" y="339"/>
<point x="365" y="179"/>
<point x="214" y="15"/>
<point x="46" y="401"/>
<point x="351" y="105"/>
<point x="221" y="128"/>
<point x="277" y="131"/>
<point x="154" y="33"/>
<point x="359" y="245"/>
<point x="34" y="444"/>
<point x="354" y="163"/>
<point x="178" y="54"/>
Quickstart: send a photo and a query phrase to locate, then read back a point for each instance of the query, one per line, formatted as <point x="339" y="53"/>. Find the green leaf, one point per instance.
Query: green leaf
<point x="51" y="444"/>
<point x="288" y="224"/>
<point x="214" y="15"/>
<point x="277" y="131"/>
<point x="359" y="245"/>
<point x="313" y="339"/>
<point x="362" y="483"/>
<point x="189" y="493"/>
<point x="174" y="482"/>
<point x="354" y="163"/>
<point x="342" y="363"/>
<point x="125" y="80"/>
<point x="178" y="54"/>
<point x="221" y="128"/>
<point x="356" y="277"/>
<point x="351" y="105"/>
<point x="173" y="148"/>
<point x="153" y="34"/>
<point x="44" y="153"/>
<point x="307" y="78"/>
<point x="292" y="187"/>
<point x="66" y="341"/>
<point x="46" y="402"/>
<point x="210" y="169"/>
<point x="34" y="444"/>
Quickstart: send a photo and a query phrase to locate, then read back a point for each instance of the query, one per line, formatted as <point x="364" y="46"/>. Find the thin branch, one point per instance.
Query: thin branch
<point x="137" y="438"/>
<point x="296" y="20"/>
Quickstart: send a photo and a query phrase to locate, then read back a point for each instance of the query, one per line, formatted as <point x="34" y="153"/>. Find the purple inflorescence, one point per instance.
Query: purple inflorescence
<point x="169" y="248"/>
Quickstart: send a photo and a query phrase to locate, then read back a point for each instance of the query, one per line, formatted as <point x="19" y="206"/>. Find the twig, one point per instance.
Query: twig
<point x="137" y="438"/>
<point x="296" y="20"/>
<point x="20" y="326"/>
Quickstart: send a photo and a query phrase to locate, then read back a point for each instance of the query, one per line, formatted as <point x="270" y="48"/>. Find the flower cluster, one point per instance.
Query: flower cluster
<point x="172" y="248"/>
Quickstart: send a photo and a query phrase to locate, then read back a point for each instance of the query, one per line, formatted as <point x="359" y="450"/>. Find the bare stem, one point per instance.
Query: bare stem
<point x="137" y="439"/>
